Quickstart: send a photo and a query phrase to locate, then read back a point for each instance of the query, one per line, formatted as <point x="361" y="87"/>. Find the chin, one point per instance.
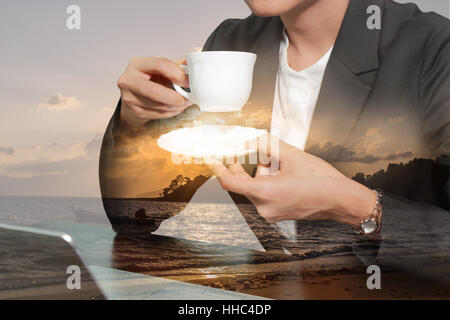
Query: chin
<point x="270" y="8"/>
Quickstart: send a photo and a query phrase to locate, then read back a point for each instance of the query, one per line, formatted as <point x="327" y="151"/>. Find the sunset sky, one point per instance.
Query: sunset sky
<point x="58" y="86"/>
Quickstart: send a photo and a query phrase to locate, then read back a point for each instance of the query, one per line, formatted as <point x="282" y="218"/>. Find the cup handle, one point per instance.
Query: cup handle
<point x="179" y="89"/>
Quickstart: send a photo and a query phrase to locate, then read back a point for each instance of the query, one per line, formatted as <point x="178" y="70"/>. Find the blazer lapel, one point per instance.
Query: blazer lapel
<point x="340" y="102"/>
<point x="347" y="82"/>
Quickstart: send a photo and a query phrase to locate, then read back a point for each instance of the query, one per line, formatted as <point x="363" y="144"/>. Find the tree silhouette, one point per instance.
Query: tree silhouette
<point x="420" y="179"/>
<point x="179" y="181"/>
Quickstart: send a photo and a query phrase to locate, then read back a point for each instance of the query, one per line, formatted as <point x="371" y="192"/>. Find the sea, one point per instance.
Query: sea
<point x="424" y="246"/>
<point x="223" y="223"/>
<point x="216" y="223"/>
<point x="28" y="211"/>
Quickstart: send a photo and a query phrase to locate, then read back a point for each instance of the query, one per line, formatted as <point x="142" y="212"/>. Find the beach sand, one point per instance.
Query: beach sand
<point x="306" y="280"/>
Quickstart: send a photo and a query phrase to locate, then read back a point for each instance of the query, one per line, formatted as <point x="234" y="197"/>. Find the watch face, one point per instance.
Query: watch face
<point x="369" y="226"/>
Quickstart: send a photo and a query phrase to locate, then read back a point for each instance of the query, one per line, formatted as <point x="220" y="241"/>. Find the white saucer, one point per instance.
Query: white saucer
<point x="210" y="140"/>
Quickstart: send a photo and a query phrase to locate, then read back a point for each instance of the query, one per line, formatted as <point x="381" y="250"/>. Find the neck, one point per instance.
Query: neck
<point x="312" y="28"/>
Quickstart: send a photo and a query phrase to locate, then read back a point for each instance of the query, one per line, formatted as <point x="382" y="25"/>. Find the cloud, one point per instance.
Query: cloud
<point x="59" y="102"/>
<point x="45" y="166"/>
<point x="257" y="118"/>
<point x="396" y="119"/>
<point x="370" y="141"/>
<point x="56" y="158"/>
<point x="92" y="148"/>
<point x="76" y="177"/>
<point x="398" y="155"/>
<point x="328" y="151"/>
<point x="7" y="151"/>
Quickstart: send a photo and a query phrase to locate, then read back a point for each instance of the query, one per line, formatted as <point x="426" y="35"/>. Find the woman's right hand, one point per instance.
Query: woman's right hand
<point x="146" y="91"/>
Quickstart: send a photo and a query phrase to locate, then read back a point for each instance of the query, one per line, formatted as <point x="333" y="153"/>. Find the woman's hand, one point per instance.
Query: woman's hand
<point x="305" y="187"/>
<point x="146" y="91"/>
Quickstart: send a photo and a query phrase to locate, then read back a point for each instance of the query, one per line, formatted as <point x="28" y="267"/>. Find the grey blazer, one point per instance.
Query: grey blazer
<point x="382" y="118"/>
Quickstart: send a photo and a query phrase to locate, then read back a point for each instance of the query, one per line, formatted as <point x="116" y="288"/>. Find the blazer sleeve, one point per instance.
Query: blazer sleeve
<point x="420" y="228"/>
<point x="113" y="149"/>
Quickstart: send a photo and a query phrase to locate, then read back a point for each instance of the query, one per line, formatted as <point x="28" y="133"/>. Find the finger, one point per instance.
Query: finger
<point x="268" y="151"/>
<point x="156" y="92"/>
<point x="233" y="182"/>
<point x="144" y="102"/>
<point x="162" y="66"/>
<point x="148" y="114"/>
<point x="270" y="144"/>
<point x="236" y="168"/>
<point x="273" y="149"/>
<point x="262" y="171"/>
<point x="216" y="167"/>
<point x="160" y="79"/>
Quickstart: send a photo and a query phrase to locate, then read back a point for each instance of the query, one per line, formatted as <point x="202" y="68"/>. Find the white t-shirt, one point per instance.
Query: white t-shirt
<point x="295" y="99"/>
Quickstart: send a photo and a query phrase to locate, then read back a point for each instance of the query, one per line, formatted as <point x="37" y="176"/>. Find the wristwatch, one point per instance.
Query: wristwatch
<point x="372" y="223"/>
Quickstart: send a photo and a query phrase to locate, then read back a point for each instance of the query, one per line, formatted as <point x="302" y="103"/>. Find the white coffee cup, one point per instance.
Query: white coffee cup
<point x="220" y="81"/>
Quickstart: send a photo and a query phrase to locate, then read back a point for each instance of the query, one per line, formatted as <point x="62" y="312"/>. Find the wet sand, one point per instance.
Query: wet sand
<point x="322" y="286"/>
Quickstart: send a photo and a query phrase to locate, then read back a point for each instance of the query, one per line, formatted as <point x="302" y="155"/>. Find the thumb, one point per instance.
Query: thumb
<point x="276" y="152"/>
